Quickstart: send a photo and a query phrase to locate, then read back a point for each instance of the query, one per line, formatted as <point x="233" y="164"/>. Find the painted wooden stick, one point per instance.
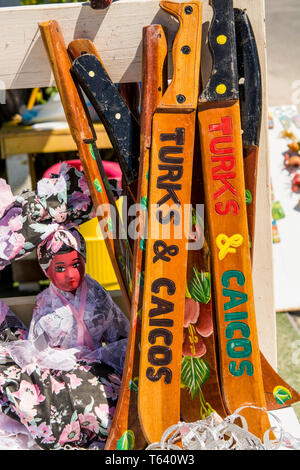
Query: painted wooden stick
<point x="201" y="391"/>
<point x="84" y="137"/>
<point x="171" y="162"/>
<point x="222" y="161"/>
<point x="126" y="421"/>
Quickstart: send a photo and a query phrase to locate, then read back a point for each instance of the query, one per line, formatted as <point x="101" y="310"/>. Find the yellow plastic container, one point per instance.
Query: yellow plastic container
<point x="98" y="264"/>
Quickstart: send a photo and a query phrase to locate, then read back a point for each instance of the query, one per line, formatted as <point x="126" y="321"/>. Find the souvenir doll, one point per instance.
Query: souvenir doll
<point x="61" y="378"/>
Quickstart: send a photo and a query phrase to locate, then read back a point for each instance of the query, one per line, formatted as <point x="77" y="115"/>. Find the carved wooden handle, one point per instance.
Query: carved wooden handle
<point x="61" y="65"/>
<point x="182" y="93"/>
<point x="171" y="162"/>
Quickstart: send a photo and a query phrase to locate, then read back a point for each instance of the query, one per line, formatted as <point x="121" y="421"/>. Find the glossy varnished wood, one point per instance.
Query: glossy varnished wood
<point x="240" y="370"/>
<point x="153" y="84"/>
<point x="173" y="130"/>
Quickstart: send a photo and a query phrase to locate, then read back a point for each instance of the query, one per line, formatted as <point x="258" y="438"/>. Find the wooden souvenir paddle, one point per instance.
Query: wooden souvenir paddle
<point x="125" y="426"/>
<point x="222" y="161"/>
<point x="201" y="391"/>
<point x="171" y="162"/>
<point x="84" y="136"/>
<point x="277" y="392"/>
<point x="250" y="97"/>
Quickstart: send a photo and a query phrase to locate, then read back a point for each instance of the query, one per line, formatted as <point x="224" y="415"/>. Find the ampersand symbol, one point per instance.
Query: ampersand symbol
<point x="228" y="244"/>
<point x="161" y="249"/>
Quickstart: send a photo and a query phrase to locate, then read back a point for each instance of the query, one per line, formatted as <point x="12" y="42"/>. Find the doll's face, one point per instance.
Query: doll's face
<point x="67" y="270"/>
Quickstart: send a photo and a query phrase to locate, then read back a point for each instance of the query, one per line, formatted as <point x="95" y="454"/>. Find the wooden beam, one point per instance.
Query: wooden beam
<point x="116" y="32"/>
<point x="16" y="139"/>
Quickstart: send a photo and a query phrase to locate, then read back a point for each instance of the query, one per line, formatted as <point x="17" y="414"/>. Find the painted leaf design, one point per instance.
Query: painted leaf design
<point x="92" y="151"/>
<point x="281" y="395"/>
<point x="126" y="441"/>
<point x="194" y="373"/>
<point x="109" y="224"/>
<point x="248" y="197"/>
<point x="133" y="384"/>
<point x="144" y="203"/>
<point x="200" y="286"/>
<point x="197" y="219"/>
<point x="89" y="407"/>
<point x="97" y="185"/>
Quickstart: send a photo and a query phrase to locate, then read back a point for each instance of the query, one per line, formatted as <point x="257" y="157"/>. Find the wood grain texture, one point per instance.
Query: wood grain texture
<point x="250" y="174"/>
<point x="239" y="356"/>
<point x="153" y="85"/>
<point x="172" y="149"/>
<point x="201" y="347"/>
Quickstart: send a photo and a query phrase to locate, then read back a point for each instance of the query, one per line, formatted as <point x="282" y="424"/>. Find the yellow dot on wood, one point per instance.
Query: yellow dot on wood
<point x="221" y="39"/>
<point x="221" y="89"/>
<point x="91" y="73"/>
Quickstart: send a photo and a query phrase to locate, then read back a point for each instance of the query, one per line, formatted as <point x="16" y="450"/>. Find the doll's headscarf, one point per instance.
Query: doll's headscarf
<point x="59" y="241"/>
<point x="31" y="218"/>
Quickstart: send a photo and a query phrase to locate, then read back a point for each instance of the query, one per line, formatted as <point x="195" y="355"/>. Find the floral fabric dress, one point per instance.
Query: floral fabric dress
<point x="61" y="379"/>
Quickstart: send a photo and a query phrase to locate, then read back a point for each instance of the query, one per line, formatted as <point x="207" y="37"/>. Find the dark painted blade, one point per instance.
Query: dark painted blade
<point x="223" y="82"/>
<point x="249" y="79"/>
<point x="120" y="124"/>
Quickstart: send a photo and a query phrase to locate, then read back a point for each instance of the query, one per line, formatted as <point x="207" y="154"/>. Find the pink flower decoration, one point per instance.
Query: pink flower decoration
<point x="89" y="421"/>
<point x="17" y="241"/>
<point x="16" y="223"/>
<point x="82" y="183"/>
<point x="198" y="324"/>
<point x="29" y="396"/>
<point x="56" y="386"/>
<point x="102" y="411"/>
<point x="6" y="196"/>
<point x="74" y="381"/>
<point x="70" y="433"/>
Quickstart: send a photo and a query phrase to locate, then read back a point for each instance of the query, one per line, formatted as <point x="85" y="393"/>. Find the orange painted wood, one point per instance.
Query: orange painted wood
<point x="129" y="91"/>
<point x="171" y="163"/>
<point x="273" y="382"/>
<point x="83" y="46"/>
<point x="222" y="161"/>
<point x="82" y="134"/>
<point x="184" y="65"/>
<point x="250" y="174"/>
<point x="209" y="396"/>
<point x="153" y="85"/>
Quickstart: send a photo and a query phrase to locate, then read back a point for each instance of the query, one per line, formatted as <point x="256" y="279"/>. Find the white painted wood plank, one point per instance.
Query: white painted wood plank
<point x="116" y="32"/>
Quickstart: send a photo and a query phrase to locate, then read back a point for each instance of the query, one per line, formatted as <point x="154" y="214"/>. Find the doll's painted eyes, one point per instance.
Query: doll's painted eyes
<point x="61" y="268"/>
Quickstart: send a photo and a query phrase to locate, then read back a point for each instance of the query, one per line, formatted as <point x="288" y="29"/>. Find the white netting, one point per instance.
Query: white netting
<point x="214" y="433"/>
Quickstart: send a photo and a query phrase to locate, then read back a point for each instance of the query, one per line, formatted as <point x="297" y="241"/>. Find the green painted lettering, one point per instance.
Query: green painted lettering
<point x="229" y="275"/>
<point x="236" y="298"/>
<point x="244" y="365"/>
<point x="236" y="316"/>
<point x="237" y="326"/>
<point x="239" y="348"/>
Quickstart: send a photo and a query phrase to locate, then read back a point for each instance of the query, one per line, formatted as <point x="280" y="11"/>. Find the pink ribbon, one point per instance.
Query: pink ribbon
<point x="83" y="335"/>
